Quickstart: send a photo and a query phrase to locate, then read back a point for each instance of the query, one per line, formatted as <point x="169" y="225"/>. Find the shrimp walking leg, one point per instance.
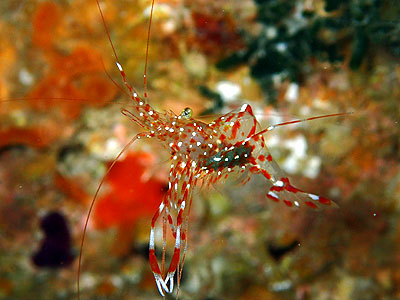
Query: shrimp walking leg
<point x="174" y="207"/>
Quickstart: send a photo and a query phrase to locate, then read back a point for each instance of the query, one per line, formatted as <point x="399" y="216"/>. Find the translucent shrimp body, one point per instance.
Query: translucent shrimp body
<point x="210" y="152"/>
<point x="233" y="143"/>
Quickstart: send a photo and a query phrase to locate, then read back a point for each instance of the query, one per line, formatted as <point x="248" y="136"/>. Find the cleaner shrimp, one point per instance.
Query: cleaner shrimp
<point x="200" y="152"/>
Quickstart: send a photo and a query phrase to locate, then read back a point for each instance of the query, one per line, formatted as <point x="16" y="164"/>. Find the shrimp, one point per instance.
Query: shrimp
<point x="233" y="143"/>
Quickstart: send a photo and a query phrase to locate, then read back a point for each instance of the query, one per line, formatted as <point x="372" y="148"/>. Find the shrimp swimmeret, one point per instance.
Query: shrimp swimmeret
<point x="233" y="143"/>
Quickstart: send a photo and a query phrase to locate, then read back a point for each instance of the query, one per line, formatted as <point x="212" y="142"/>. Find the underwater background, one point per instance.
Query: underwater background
<point x="61" y="127"/>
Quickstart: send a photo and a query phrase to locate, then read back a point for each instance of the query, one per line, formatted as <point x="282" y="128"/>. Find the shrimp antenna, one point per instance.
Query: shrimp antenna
<point x="132" y="91"/>
<point x="78" y="275"/>
<point x="112" y="80"/>
<point x="302" y="120"/>
<point x="60" y="99"/>
<point x="147" y="50"/>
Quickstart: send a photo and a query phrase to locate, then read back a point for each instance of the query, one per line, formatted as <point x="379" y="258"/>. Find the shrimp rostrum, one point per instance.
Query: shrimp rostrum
<point x="232" y="143"/>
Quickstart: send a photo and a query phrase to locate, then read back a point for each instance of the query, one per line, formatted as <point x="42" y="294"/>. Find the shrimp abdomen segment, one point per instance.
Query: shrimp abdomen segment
<point x="281" y="190"/>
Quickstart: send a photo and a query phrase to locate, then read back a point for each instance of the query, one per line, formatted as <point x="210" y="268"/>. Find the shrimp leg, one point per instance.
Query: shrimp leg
<point x="174" y="206"/>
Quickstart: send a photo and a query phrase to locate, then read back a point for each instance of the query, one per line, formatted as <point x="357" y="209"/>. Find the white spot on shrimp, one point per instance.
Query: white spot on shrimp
<point x="161" y="207"/>
<point x="279" y="183"/>
<point x="314" y="197"/>
<point x="273" y="194"/>
<point x="151" y="243"/>
<point x="119" y="66"/>
<point x="244" y="107"/>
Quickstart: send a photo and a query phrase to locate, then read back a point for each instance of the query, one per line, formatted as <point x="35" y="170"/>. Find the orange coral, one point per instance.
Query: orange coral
<point x="132" y="193"/>
<point x="38" y="137"/>
<point x="45" y="22"/>
<point x="73" y="77"/>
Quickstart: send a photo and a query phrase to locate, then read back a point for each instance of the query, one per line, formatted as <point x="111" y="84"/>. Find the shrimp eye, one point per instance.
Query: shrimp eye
<point x="187" y="113"/>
